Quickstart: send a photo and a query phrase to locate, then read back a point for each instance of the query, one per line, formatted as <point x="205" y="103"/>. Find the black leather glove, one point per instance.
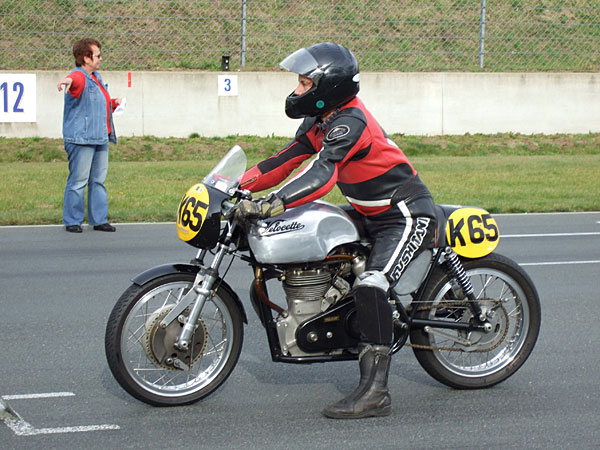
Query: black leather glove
<point x="259" y="209"/>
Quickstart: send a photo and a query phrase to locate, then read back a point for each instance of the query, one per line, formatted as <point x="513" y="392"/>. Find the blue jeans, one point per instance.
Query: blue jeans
<point x="88" y="165"/>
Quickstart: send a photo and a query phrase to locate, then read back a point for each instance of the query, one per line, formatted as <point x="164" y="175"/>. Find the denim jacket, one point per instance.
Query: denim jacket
<point x="84" y="118"/>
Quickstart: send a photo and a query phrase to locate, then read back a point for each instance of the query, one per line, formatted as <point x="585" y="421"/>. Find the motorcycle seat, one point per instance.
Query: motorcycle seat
<point x="442" y="214"/>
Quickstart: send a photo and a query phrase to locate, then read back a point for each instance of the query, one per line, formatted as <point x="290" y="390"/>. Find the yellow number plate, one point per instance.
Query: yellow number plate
<point x="192" y="212"/>
<point x="472" y="232"/>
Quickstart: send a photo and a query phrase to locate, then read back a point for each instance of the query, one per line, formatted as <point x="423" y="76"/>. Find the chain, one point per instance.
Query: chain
<point x="452" y="305"/>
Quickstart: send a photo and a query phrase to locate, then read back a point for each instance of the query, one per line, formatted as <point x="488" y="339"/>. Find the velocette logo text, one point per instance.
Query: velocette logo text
<point x="283" y="226"/>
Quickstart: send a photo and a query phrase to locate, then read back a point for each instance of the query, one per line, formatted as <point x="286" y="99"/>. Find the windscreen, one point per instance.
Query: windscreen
<point x="226" y="173"/>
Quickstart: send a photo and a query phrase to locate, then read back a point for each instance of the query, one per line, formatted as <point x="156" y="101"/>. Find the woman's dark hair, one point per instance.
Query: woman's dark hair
<point x="83" y="48"/>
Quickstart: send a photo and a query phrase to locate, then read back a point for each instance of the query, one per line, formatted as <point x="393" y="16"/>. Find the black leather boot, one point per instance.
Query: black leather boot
<point x="371" y="397"/>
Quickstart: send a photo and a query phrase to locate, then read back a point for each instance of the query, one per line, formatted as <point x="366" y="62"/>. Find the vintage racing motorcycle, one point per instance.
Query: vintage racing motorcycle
<point x="471" y="316"/>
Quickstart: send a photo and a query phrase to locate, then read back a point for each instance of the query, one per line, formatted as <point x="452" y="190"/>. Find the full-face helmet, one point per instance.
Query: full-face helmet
<point x="334" y="72"/>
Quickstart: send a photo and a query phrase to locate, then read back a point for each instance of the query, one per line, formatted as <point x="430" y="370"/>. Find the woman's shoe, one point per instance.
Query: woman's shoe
<point x="104" y="227"/>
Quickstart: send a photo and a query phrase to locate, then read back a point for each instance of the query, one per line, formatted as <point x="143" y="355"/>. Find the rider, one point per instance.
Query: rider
<point x="391" y="205"/>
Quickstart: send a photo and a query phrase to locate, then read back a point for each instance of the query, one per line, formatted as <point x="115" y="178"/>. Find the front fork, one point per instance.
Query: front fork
<point x="202" y="292"/>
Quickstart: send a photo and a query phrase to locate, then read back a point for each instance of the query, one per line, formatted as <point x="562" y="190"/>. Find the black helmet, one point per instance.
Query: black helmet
<point x="334" y="72"/>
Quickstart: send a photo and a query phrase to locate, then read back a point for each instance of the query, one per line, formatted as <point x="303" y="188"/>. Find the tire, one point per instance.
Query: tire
<point x="488" y="358"/>
<point x="138" y="350"/>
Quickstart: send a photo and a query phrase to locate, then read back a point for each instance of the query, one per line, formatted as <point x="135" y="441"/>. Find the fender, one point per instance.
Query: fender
<point x="169" y="269"/>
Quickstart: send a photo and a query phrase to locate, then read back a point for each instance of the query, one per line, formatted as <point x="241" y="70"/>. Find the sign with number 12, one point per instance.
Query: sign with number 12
<point x="17" y="97"/>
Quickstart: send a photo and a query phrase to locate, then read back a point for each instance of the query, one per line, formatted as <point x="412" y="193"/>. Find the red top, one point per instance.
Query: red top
<point x="351" y="150"/>
<point x="78" y="86"/>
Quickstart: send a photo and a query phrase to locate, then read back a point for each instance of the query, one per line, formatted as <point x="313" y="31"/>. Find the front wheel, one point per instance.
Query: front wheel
<point x="476" y="358"/>
<point x="141" y="354"/>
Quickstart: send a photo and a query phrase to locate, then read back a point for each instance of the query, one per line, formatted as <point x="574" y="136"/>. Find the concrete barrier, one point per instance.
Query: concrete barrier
<point x="178" y="104"/>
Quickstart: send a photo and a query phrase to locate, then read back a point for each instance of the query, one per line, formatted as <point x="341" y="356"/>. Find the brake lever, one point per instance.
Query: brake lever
<point x="236" y="196"/>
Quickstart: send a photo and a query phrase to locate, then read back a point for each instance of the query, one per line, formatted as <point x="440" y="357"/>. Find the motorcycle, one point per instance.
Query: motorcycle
<point x="471" y="316"/>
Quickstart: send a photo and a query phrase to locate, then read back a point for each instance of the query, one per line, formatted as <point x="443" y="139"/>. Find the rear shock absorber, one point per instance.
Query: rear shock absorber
<point x="457" y="271"/>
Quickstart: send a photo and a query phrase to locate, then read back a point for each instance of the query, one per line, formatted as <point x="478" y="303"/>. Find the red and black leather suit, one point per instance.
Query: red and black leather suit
<point x="391" y="205"/>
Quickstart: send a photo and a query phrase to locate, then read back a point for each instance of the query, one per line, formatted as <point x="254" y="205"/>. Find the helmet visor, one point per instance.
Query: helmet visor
<point x="303" y="63"/>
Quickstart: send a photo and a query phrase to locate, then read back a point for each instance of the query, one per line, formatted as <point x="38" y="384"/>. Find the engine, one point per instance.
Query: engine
<point x="312" y="291"/>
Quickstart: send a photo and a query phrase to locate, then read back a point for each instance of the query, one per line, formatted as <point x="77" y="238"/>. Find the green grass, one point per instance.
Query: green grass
<point x="197" y="148"/>
<point x="147" y="177"/>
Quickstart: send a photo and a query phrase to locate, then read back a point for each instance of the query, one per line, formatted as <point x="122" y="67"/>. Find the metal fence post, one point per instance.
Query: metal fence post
<point x="481" y="33"/>
<point x="243" y="44"/>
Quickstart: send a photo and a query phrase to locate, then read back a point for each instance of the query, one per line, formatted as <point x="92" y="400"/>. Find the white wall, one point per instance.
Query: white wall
<point x="180" y="103"/>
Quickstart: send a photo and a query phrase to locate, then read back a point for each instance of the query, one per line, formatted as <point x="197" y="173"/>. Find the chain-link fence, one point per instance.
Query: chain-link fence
<point x="408" y="35"/>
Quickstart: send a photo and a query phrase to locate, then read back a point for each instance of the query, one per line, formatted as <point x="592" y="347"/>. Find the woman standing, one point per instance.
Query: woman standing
<point x="87" y="129"/>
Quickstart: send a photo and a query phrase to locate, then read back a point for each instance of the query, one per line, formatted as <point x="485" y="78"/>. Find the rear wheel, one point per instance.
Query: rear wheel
<point x="477" y="358"/>
<point x="141" y="354"/>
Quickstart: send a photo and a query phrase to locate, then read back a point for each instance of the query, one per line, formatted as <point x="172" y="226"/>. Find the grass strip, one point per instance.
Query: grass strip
<point x="32" y="193"/>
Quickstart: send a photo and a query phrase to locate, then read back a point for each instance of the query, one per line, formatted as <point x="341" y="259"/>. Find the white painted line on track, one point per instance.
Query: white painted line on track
<point x="559" y="263"/>
<point x="21" y="427"/>
<point x="32" y="396"/>
<point x="591" y="233"/>
<point x="552" y="263"/>
<point x="116" y="224"/>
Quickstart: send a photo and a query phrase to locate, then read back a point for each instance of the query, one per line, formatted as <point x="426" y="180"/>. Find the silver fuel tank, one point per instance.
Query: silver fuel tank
<point x="302" y="234"/>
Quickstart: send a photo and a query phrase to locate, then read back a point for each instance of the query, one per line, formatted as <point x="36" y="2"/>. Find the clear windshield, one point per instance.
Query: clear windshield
<point x="225" y="174"/>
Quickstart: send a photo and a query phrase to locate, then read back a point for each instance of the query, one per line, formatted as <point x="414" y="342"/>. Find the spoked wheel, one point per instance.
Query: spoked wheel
<point x="477" y="358"/>
<point x="141" y="354"/>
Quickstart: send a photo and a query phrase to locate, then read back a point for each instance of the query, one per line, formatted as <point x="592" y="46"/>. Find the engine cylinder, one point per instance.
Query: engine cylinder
<point x="306" y="285"/>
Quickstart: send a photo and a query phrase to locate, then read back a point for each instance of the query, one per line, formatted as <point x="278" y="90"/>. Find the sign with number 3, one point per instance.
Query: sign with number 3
<point x="17" y="97"/>
<point x="228" y="85"/>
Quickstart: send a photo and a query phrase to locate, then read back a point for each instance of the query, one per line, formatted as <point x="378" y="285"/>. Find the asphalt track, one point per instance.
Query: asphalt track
<point x="57" y="290"/>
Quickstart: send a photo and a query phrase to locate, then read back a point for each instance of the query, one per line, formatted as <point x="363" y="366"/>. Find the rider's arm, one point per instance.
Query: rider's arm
<point x="345" y="138"/>
<point x="278" y="167"/>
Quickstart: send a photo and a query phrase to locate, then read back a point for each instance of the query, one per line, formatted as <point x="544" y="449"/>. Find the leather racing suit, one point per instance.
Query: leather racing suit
<point x="391" y="206"/>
